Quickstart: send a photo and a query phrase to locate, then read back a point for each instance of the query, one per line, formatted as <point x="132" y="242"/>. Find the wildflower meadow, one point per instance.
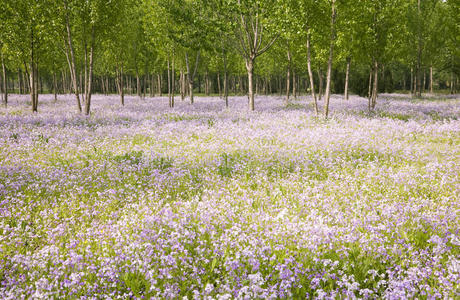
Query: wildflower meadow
<point x="208" y="202"/>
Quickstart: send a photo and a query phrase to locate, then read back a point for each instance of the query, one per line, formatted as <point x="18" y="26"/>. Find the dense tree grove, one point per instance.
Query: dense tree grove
<point x="154" y="47"/>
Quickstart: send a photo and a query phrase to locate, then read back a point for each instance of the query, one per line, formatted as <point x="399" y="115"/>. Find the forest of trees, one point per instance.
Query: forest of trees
<point x="182" y="47"/>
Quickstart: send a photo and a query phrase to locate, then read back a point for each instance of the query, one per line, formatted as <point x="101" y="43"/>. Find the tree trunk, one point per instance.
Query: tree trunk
<point x="431" y="80"/>
<point x="20" y="82"/>
<point x="250" y="69"/>
<point x="369" y="92"/>
<point x="55" y="86"/>
<point x="190" y="75"/>
<point x="169" y="83"/>
<point x="144" y="85"/>
<point x="182" y="85"/>
<point x="419" y="53"/>
<point x="89" y="82"/>
<point x="347" y="76"/>
<point x="320" y="89"/>
<point x="294" y="82"/>
<point x="71" y="58"/>
<point x="329" y="64"/>
<point x="159" y="84"/>
<point x="310" y="74"/>
<point x="375" y="89"/>
<point x="138" y="84"/>
<point x="288" y="77"/>
<point x="120" y="85"/>
<point x="4" y="83"/>
<point x="173" y="82"/>
<point x="424" y="81"/>
<point x="206" y="83"/>
<point x="219" y="90"/>
<point x="225" y="80"/>
<point x="412" y="81"/>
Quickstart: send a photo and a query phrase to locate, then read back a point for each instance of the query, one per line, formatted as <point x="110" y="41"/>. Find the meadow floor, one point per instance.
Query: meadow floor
<point x="213" y="203"/>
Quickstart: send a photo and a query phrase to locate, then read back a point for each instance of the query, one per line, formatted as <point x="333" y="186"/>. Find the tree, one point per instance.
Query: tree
<point x="252" y="33"/>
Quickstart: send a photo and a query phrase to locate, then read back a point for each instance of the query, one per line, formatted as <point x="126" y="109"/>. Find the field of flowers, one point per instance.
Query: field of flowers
<point x="203" y="202"/>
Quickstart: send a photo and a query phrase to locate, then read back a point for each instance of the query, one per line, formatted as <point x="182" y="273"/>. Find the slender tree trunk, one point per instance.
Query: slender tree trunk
<point x="404" y="84"/>
<point x="412" y="81"/>
<point x="55" y="86"/>
<point x="250" y="69"/>
<point x="294" y="83"/>
<point x="138" y="84"/>
<point x="219" y="90"/>
<point x="225" y="79"/>
<point x="33" y="74"/>
<point x="182" y="85"/>
<point x="169" y="83"/>
<point x="347" y="76"/>
<point x="369" y="93"/>
<point x="159" y="84"/>
<point x="89" y="82"/>
<point x="85" y="68"/>
<point x="424" y="81"/>
<point x="375" y="89"/>
<point x="152" y="85"/>
<point x="419" y="53"/>
<point x="4" y="83"/>
<point x="173" y="81"/>
<point x="144" y="85"/>
<point x="288" y="77"/>
<point x="190" y="75"/>
<point x="206" y="83"/>
<point x="21" y="90"/>
<point x="431" y="80"/>
<point x="310" y="75"/>
<point x="329" y="64"/>
<point x="383" y="79"/>
<point x="71" y="58"/>
<point x="120" y="84"/>
<point x="320" y="89"/>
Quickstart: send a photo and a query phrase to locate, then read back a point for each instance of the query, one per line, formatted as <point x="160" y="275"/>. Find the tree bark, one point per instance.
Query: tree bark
<point x="190" y="75"/>
<point x="138" y="84"/>
<point x="89" y="82"/>
<point x="431" y="80"/>
<point x="329" y="64"/>
<point x="206" y="83"/>
<point x="120" y="85"/>
<point x="182" y="85"/>
<point x="55" y="86"/>
<point x="4" y="83"/>
<point x="250" y="69"/>
<point x="169" y="83"/>
<point x="320" y="88"/>
<point x="225" y="79"/>
<point x="375" y="89"/>
<point x="369" y="92"/>
<point x="347" y="76"/>
<point x="310" y="75"/>
<point x="159" y="84"/>
<point x="219" y="88"/>
<point x="412" y="82"/>
<point x="71" y="58"/>
<point x="419" y="53"/>
<point x="20" y="81"/>
<point x="173" y="82"/>
<point x="288" y="77"/>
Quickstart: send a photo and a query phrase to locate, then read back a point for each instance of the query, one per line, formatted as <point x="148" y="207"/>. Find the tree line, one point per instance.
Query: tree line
<point x="156" y="47"/>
